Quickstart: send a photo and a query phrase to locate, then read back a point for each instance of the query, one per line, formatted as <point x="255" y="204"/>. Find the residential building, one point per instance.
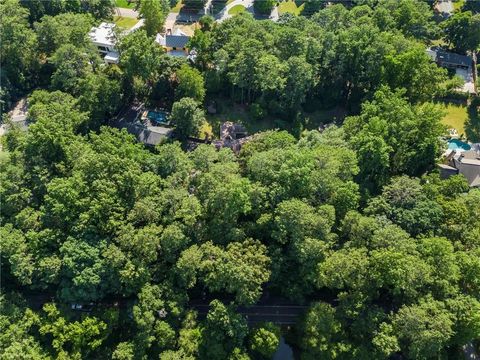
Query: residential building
<point x="174" y="43"/>
<point x="232" y="136"/>
<point x="104" y="38"/>
<point x="466" y="163"/>
<point x="463" y="65"/>
<point x="449" y="59"/>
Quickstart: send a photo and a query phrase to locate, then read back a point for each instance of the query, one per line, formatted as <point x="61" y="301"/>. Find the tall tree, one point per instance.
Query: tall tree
<point x="154" y="13"/>
<point x="190" y="84"/>
<point x="187" y="117"/>
<point x="462" y="30"/>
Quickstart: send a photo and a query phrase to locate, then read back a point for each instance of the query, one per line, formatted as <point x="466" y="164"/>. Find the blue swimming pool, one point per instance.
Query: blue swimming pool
<point x="159" y="117"/>
<point x="456" y="144"/>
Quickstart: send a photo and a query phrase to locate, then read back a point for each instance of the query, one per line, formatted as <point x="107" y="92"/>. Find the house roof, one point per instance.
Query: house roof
<point x="160" y="39"/>
<point x="469" y="166"/>
<point x="453" y="58"/>
<point x="103" y="35"/>
<point x="178" y="41"/>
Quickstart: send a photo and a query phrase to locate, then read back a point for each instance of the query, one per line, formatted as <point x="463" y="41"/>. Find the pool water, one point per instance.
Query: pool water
<point x="459" y="145"/>
<point x="159" y="117"/>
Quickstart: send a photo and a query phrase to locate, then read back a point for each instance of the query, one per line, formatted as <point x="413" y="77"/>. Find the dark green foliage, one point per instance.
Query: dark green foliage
<point x="187" y="116"/>
<point x="164" y="249"/>
<point x="263" y="7"/>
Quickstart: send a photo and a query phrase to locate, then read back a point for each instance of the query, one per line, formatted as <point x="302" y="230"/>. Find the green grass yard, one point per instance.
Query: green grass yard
<point x="457" y="5"/>
<point x="456" y="117"/>
<point x="125" y="22"/>
<point x="289" y="6"/>
<point x="237" y="9"/>
<point x="125" y="4"/>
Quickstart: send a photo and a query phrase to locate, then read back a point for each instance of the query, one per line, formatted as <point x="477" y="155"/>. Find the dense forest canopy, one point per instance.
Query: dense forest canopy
<point x="352" y="223"/>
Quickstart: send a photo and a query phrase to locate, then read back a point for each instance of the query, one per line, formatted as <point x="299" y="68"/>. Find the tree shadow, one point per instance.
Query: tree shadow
<point x="472" y="125"/>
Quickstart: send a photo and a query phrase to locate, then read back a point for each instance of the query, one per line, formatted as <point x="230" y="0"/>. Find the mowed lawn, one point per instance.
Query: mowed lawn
<point x="289" y="6"/>
<point x="124" y="22"/>
<point x="237" y="9"/>
<point x="456" y="117"/>
<point x="125" y="4"/>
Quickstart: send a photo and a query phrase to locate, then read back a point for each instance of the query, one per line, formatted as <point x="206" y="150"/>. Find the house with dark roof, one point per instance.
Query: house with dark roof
<point x="232" y="136"/>
<point x="463" y="65"/>
<point x="175" y="43"/>
<point x="449" y="59"/>
<point x="466" y="163"/>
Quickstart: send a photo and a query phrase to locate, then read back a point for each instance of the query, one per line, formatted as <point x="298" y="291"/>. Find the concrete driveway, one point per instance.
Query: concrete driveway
<point x="467" y="76"/>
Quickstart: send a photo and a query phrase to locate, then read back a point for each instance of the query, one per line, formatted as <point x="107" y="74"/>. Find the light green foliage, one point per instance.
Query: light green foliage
<point x="18" y="62"/>
<point x="16" y="335"/>
<point x="322" y="334"/>
<point x="393" y="137"/>
<point x="154" y="13"/>
<point x="152" y="235"/>
<point x="63" y="29"/>
<point x="140" y="55"/>
<point x="224" y="331"/>
<point x="462" y="30"/>
<point x="413" y="70"/>
<point x="265" y="340"/>
<point x="71" y="64"/>
<point x="124" y="351"/>
<point x="240" y="269"/>
<point x="15" y="251"/>
<point x="405" y="203"/>
<point x="424" y="328"/>
<point x="187" y="117"/>
<point x="71" y="338"/>
<point x="190" y="84"/>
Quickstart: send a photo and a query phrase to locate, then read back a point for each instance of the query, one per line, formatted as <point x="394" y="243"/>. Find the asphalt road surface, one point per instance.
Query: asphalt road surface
<point x="278" y="314"/>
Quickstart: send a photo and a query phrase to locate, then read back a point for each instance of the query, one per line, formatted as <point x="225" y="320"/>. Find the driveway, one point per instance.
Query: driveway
<point x="467" y="76"/>
<point x="18" y="115"/>
<point x="223" y="15"/>
<point x="170" y="21"/>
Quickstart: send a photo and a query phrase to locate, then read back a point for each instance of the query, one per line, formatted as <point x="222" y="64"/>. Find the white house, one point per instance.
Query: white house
<point x="104" y="38"/>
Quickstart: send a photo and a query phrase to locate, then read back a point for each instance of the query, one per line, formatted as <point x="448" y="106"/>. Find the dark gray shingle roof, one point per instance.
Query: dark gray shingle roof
<point x="453" y="58"/>
<point x="177" y="41"/>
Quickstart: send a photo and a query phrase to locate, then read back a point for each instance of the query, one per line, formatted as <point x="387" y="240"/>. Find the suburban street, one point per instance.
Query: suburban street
<point x="278" y="314"/>
<point x="223" y="15"/>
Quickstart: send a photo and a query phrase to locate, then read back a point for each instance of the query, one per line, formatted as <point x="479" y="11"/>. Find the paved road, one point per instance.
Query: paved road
<point x="223" y="15"/>
<point x="278" y="314"/>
